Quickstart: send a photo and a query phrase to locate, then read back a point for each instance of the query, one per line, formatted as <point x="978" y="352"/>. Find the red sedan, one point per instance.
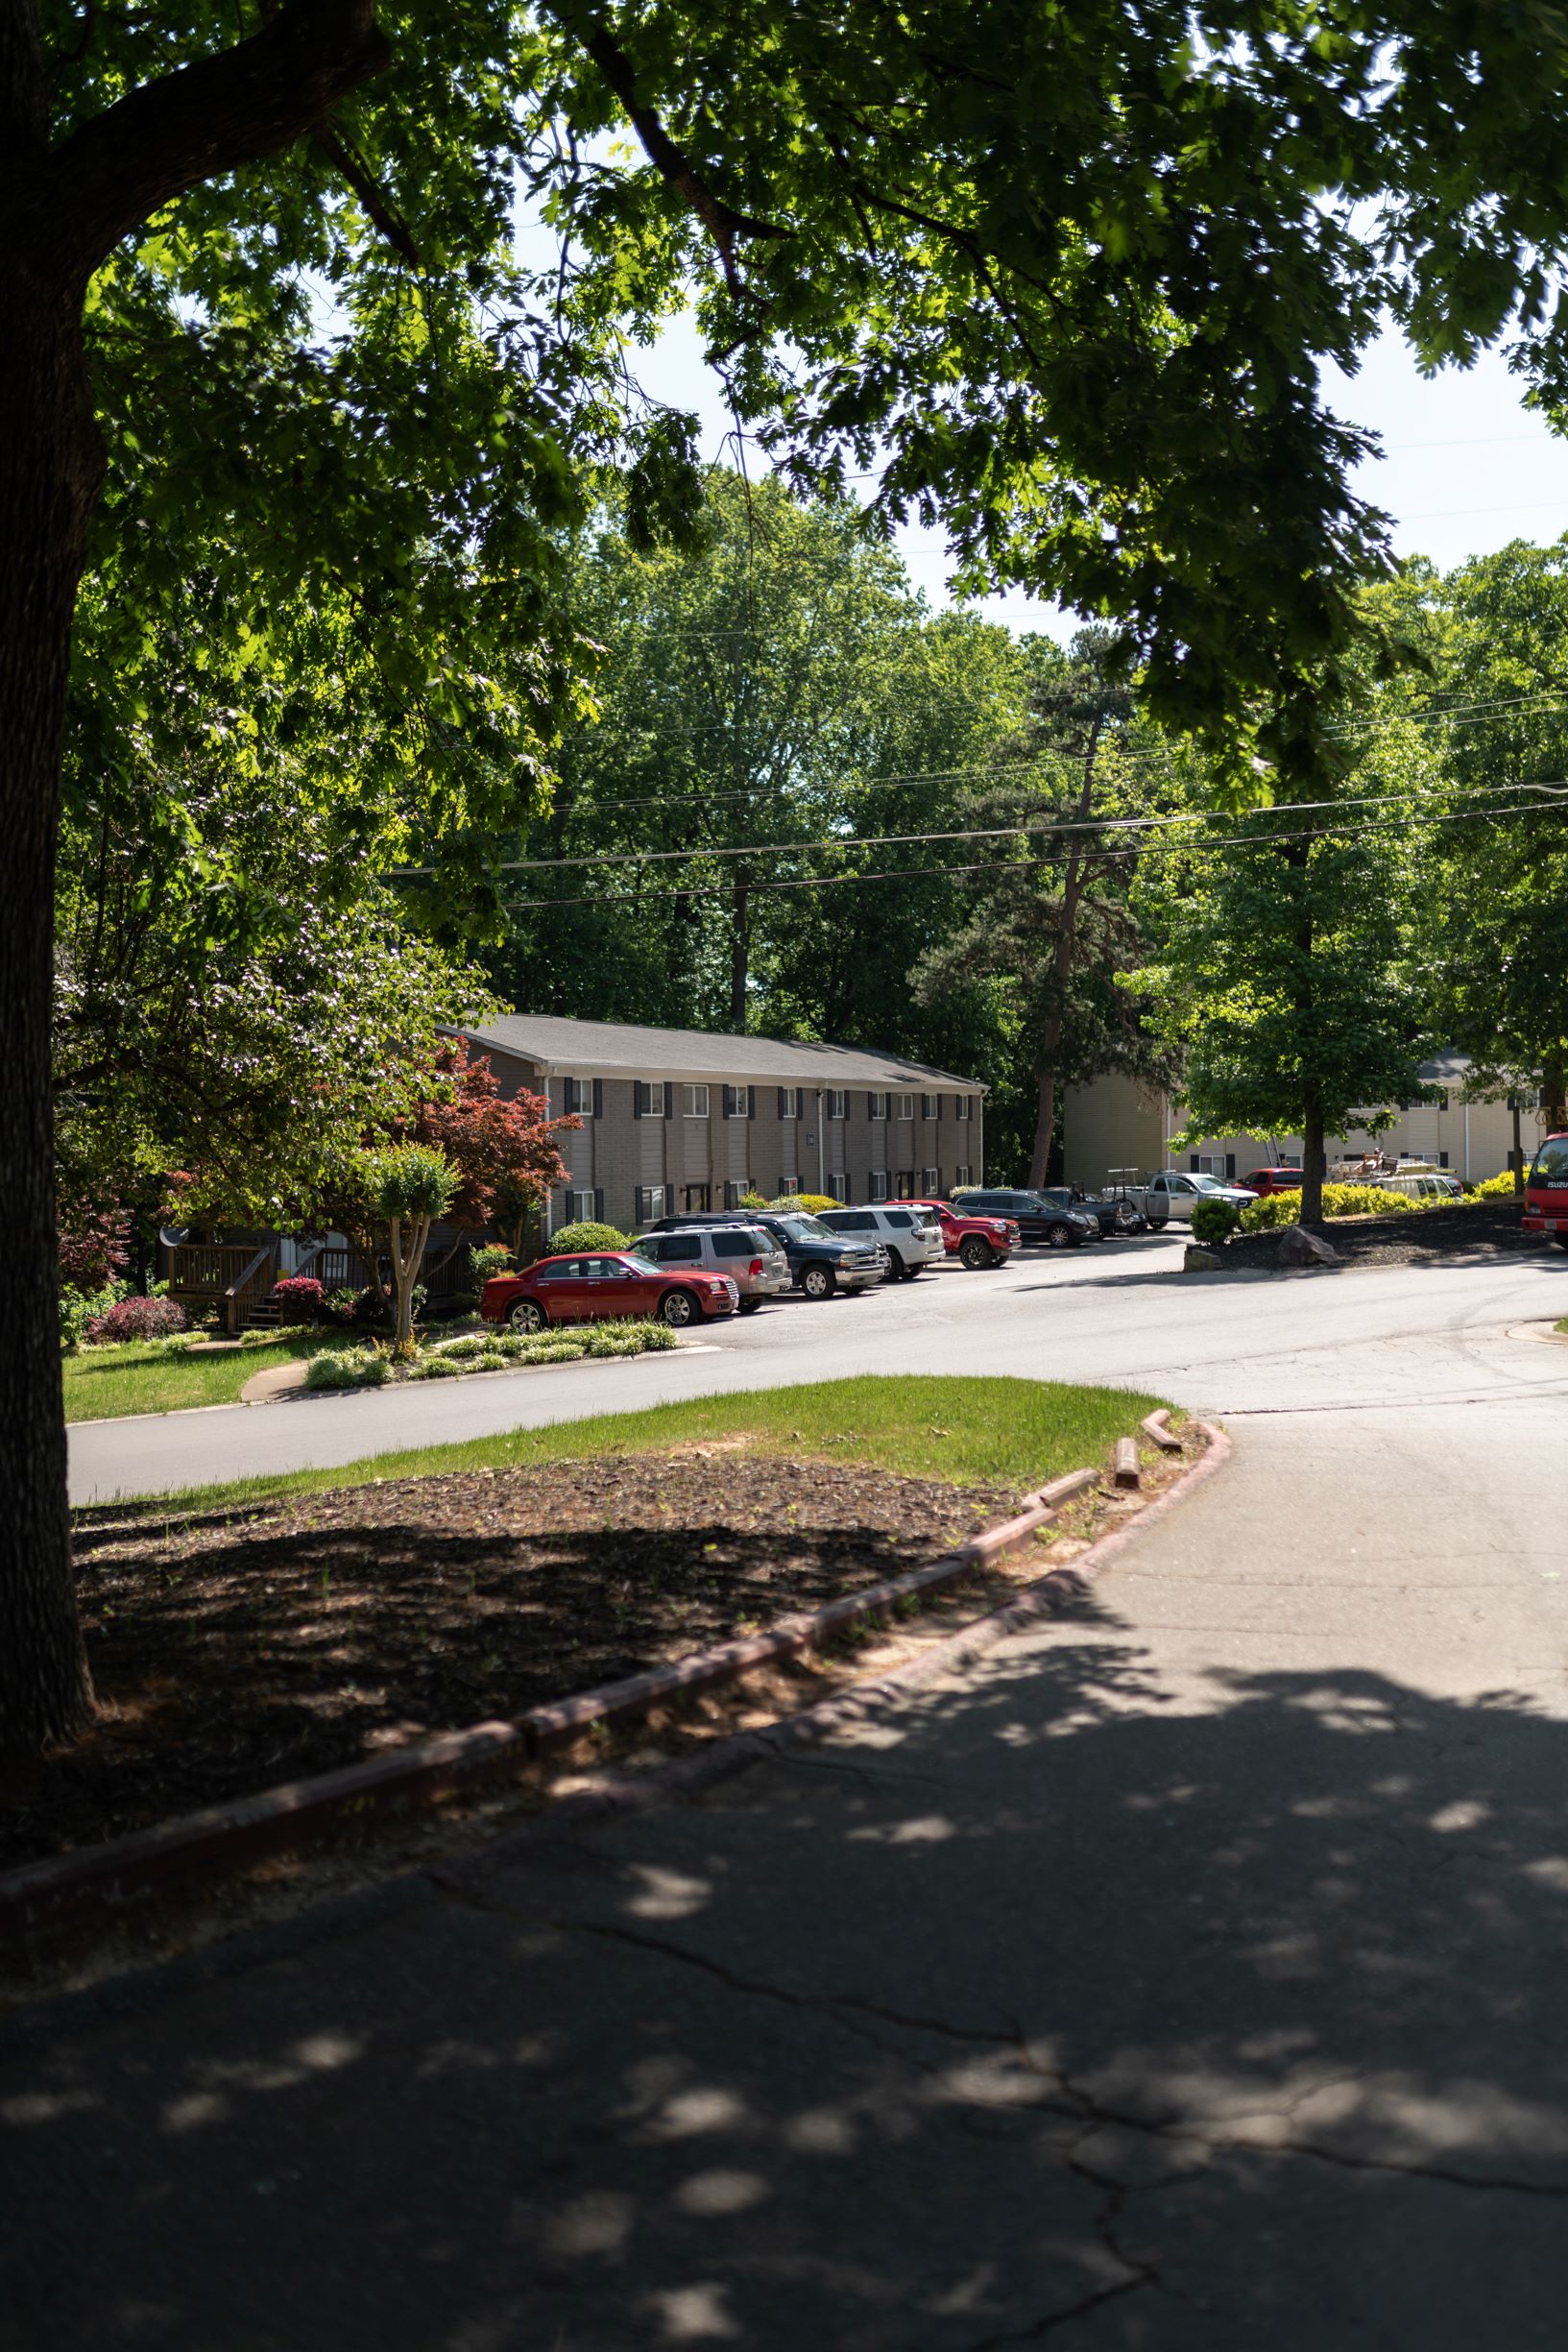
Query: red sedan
<point x="611" y="1285"/>
<point x="975" y="1240"/>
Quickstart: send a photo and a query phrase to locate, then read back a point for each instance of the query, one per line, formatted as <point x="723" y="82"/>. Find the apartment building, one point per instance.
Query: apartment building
<point x="1114" y="1122"/>
<point x="678" y="1120"/>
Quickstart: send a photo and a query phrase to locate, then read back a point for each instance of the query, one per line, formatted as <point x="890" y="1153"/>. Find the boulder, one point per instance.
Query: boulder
<point x="1299" y="1246"/>
<point x="1201" y="1261"/>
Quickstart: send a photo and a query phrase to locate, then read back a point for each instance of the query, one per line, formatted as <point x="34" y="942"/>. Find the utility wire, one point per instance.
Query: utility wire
<point x="1014" y="865"/>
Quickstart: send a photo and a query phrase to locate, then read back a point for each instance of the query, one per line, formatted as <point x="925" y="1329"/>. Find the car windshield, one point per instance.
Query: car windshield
<point x="641" y="1264"/>
<point x="1206" y="1184"/>
<point x="808" y="1229"/>
<point x="1551" y="1163"/>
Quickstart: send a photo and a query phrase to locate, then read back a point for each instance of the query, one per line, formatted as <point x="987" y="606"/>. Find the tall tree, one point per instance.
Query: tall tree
<point x="1072" y="280"/>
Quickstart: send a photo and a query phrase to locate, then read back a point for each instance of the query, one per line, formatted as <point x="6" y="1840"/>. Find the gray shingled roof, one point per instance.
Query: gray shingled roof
<point x="601" y="1045"/>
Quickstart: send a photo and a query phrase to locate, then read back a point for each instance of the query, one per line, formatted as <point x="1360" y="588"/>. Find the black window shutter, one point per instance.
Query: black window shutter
<point x="729" y="1102"/>
<point x="751" y="1102"/>
<point x="1193" y="1163"/>
<point x="598" y="1192"/>
<point x="598" y="1098"/>
<point x="637" y="1098"/>
<point x="1230" y="1165"/>
<point x="784" y="1101"/>
<point x="570" y="1095"/>
<point x="669" y="1098"/>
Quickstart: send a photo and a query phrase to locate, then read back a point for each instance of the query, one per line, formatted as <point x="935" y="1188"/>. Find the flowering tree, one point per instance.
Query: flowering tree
<point x="504" y="1147"/>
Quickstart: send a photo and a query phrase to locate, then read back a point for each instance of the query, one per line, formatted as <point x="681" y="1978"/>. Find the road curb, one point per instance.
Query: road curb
<point x="297" y="1812"/>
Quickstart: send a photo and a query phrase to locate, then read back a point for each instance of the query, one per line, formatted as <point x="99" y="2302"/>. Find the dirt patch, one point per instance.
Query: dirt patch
<point x="1420" y="1237"/>
<point x="230" y="1653"/>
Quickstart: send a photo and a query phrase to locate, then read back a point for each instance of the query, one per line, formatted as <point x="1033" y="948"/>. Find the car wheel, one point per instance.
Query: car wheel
<point x="817" y="1282"/>
<point x="1562" y="1241"/>
<point x="1058" y="1237"/>
<point x="896" y="1267"/>
<point x="974" y="1254"/>
<point x="677" y="1308"/>
<point x="749" y="1307"/>
<point x="527" y="1315"/>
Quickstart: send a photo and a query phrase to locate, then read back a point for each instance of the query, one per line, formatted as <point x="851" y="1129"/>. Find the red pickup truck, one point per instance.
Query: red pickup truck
<point x="1267" y="1180"/>
<point x="1546" y="1191"/>
<point x="974" y="1240"/>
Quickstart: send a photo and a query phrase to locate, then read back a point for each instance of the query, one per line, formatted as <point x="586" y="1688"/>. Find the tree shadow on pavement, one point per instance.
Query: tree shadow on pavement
<point x="1069" y="2002"/>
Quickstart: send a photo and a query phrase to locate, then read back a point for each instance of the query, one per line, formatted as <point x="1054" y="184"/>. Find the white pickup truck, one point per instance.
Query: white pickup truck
<point x="1173" y="1195"/>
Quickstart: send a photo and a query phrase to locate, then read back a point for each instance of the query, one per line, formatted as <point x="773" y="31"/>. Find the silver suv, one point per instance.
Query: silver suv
<point x="912" y="1237"/>
<point x="752" y="1259"/>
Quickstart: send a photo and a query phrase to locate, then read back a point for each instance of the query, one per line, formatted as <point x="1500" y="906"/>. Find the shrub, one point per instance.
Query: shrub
<point x="492" y="1259"/>
<point x="1213" y="1221"/>
<point x="805" y="1204"/>
<point x="1272" y="1209"/>
<point x="1497" y="1187"/>
<point x="93" y="1250"/>
<point x="138" y="1319"/>
<point x="583" y="1235"/>
<point x="1364" y="1200"/>
<point x="628" y="1339"/>
<point x="299" y="1298"/>
<point x="348" y="1368"/>
<point x="79" y="1310"/>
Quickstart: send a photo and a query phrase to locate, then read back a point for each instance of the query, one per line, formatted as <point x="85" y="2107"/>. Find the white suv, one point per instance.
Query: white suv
<point x="912" y="1237"/>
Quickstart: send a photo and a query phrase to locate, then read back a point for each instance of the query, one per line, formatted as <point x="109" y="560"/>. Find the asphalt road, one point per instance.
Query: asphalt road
<point x="1121" y="1312"/>
<point x="1185" y="1975"/>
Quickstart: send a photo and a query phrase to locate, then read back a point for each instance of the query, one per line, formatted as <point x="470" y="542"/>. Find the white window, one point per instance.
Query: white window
<point x="652" y="1200"/>
<point x="962" y="1175"/>
<point x="905" y="1103"/>
<point x="879" y="1105"/>
<point x="876" y="1184"/>
<point x="581" y="1205"/>
<point x="838" y="1184"/>
<point x="964" y="1104"/>
<point x="694" y="1102"/>
<point x="1211" y="1164"/>
<point x="788" y="1184"/>
<point x="789" y="1102"/>
<point x="931" y="1106"/>
<point x="650" y="1097"/>
<point x="931" y="1181"/>
<point x="579" y="1096"/>
<point x="733" y="1193"/>
<point x="737" y="1102"/>
<point x="836" y="1102"/>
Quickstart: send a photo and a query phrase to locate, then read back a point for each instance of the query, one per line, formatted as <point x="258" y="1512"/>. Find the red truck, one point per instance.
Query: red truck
<point x="1546" y="1191"/>
<point x="1267" y="1180"/>
<point x="974" y="1240"/>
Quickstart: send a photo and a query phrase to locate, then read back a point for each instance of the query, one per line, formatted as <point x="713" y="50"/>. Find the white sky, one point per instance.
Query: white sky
<point x="1464" y="467"/>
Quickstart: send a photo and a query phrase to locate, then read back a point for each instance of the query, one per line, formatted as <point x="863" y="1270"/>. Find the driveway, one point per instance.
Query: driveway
<point x="1184" y="1974"/>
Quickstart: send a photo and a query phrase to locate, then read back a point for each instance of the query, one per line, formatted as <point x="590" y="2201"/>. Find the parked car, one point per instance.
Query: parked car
<point x="974" y="1240"/>
<point x="1037" y="1218"/>
<point x="1111" y="1216"/>
<point x="611" y="1284"/>
<point x="908" y="1232"/>
<point x="1546" y="1191"/>
<point x="1267" y="1180"/>
<point x="1178" y="1194"/>
<point x="1424" y="1184"/>
<point x="820" y="1262"/>
<point x="752" y="1259"/>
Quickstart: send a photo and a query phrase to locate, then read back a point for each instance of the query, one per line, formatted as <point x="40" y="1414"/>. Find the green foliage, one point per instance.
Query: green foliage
<point x="410" y="1180"/>
<point x="349" y="1368"/>
<point x="1268" y="1212"/>
<point x="585" y="1234"/>
<point x="494" y="1258"/>
<point x="80" y="1308"/>
<point x="1499" y="1187"/>
<point x="803" y="1205"/>
<point x="1213" y="1221"/>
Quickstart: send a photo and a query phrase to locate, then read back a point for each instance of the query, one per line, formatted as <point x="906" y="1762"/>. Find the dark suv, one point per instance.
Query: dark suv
<point x="1038" y="1219"/>
<point x="820" y="1262"/>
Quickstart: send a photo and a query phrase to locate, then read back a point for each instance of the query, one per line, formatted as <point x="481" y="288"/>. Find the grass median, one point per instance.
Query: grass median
<point x="1007" y="1432"/>
<point x="104" y="1384"/>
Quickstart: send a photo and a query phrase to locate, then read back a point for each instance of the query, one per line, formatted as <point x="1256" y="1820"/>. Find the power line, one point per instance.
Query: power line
<point x="1049" y="823"/>
<point x="1014" y="865"/>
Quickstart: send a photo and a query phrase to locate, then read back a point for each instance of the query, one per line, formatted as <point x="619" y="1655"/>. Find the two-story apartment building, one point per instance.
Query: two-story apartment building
<point x="1114" y="1123"/>
<point x="678" y="1120"/>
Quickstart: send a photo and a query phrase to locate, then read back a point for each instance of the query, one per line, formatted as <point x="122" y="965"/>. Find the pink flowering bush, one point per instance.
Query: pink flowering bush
<point x="299" y="1298"/>
<point x="139" y="1319"/>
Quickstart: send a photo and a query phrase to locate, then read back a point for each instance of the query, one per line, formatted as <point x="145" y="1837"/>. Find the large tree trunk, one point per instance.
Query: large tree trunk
<point x="50" y="470"/>
<point x="1314" y="1165"/>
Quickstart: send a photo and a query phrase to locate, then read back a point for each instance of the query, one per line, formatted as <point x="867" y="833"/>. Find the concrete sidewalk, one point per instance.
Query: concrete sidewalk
<point x="1184" y="1974"/>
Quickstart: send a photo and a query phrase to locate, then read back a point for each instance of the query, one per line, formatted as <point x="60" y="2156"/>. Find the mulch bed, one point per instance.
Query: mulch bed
<point x="1420" y="1237"/>
<point x="231" y="1653"/>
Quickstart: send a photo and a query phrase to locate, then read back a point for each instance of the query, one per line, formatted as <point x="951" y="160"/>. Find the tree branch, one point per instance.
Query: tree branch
<point x="205" y="119"/>
<point x="378" y="208"/>
<point x="723" y="223"/>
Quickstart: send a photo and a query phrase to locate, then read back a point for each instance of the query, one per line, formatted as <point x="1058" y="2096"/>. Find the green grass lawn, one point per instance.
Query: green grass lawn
<point x="101" y="1383"/>
<point x="1016" y="1433"/>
